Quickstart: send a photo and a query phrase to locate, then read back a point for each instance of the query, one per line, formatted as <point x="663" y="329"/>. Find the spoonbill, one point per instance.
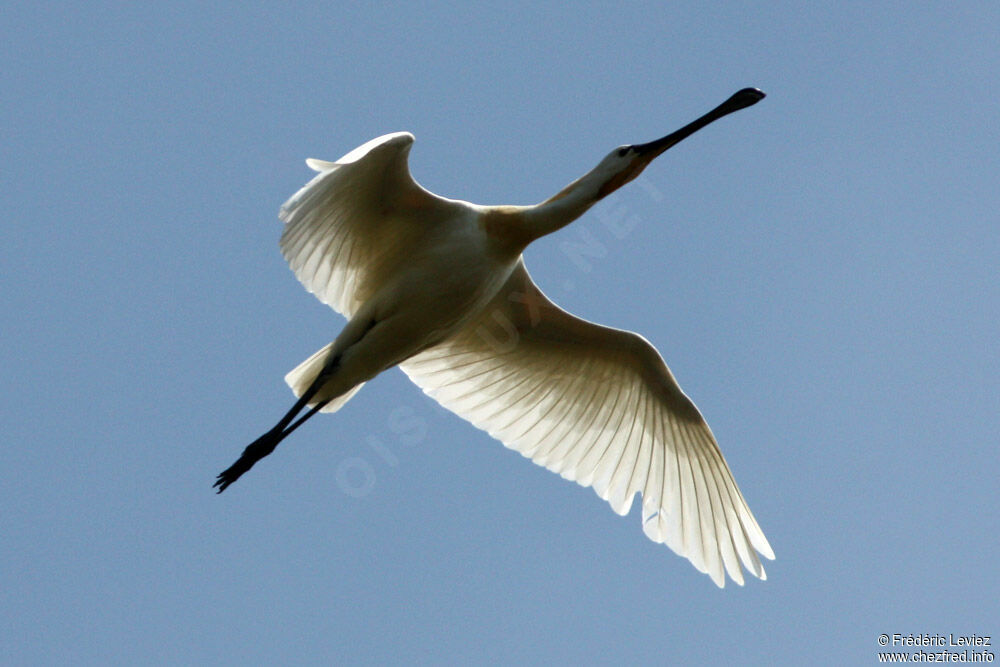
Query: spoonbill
<point x="438" y="287"/>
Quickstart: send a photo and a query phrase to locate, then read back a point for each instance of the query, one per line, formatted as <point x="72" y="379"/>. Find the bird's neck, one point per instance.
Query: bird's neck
<point x="513" y="227"/>
<point x="564" y="207"/>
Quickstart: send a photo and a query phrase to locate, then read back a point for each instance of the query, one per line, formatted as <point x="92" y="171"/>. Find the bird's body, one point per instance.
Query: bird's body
<point x="439" y="287"/>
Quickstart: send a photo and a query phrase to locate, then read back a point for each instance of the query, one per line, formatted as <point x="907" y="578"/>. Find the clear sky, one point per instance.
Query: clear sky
<point x="819" y="271"/>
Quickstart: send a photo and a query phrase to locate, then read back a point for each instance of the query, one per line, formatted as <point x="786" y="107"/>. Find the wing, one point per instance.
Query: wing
<point x="598" y="406"/>
<point x="354" y="224"/>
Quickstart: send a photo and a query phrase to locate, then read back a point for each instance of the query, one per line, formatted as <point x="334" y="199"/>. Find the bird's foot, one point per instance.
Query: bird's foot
<point x="254" y="452"/>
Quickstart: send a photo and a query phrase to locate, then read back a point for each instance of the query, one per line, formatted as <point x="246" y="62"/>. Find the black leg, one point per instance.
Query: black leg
<point x="254" y="452"/>
<point x="266" y="443"/>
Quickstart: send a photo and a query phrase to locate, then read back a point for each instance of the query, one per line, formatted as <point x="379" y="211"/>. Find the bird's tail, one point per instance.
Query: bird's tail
<point x="301" y="377"/>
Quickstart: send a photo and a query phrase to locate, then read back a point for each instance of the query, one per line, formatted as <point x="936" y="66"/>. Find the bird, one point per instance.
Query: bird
<point x="438" y="287"/>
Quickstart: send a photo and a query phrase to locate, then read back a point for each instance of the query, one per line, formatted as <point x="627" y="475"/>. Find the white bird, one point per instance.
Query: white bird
<point x="438" y="286"/>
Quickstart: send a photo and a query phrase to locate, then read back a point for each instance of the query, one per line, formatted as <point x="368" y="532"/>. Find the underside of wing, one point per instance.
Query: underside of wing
<point x="598" y="406"/>
<point x="353" y="225"/>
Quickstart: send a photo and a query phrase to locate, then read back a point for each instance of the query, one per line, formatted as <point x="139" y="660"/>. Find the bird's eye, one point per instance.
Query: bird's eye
<point x="623" y="150"/>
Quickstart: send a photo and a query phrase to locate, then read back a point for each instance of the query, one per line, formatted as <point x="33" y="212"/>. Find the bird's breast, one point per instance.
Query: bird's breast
<point x="446" y="285"/>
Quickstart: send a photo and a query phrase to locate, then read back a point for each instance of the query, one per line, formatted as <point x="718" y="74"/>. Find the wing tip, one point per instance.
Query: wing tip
<point x="400" y="139"/>
<point x="320" y="165"/>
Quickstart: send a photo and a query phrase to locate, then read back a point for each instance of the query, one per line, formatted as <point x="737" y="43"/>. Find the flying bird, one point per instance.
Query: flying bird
<point x="438" y="287"/>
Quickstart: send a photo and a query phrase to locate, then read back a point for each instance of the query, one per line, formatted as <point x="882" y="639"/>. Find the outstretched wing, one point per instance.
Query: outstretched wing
<point x="354" y="224"/>
<point x="600" y="407"/>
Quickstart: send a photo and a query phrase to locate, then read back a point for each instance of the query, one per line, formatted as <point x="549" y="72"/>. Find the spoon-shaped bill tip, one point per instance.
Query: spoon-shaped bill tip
<point x="742" y="99"/>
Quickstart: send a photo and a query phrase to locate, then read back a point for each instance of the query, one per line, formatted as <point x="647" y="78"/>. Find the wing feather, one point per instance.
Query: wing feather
<point x="599" y="407"/>
<point x="356" y="222"/>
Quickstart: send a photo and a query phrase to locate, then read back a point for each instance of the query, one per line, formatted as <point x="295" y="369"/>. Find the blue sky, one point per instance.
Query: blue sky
<point x="819" y="271"/>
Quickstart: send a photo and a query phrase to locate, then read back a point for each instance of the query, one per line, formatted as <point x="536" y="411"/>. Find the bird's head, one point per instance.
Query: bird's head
<point x="617" y="168"/>
<point x="624" y="163"/>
